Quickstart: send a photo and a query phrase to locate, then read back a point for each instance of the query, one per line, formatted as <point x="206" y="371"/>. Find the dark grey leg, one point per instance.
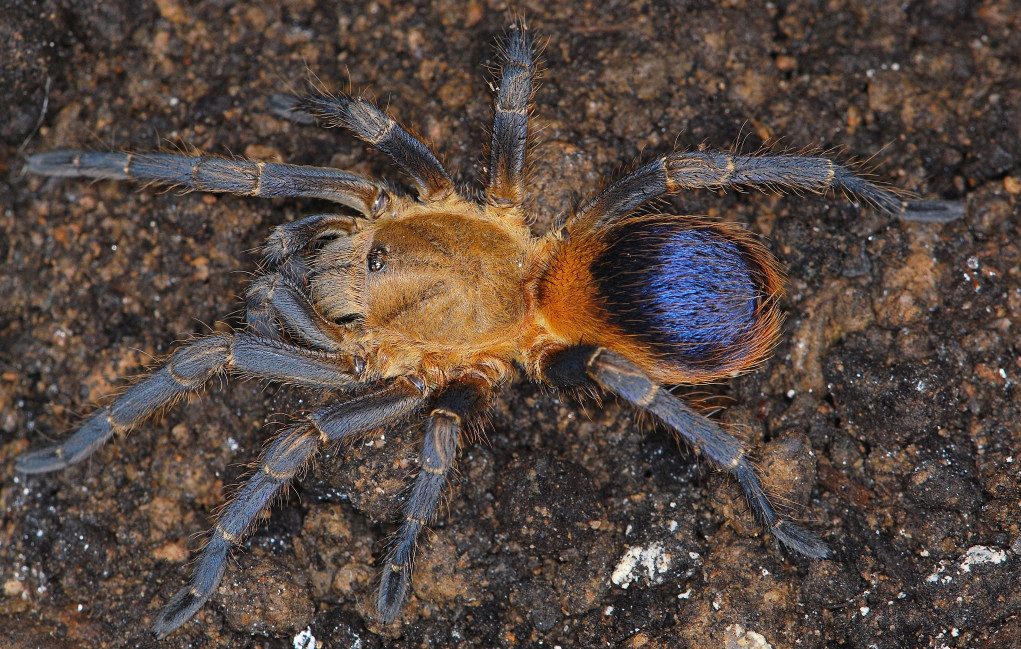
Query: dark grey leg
<point x="292" y="238"/>
<point x="580" y="366"/>
<point x="214" y="174"/>
<point x="188" y="370"/>
<point x="260" y="314"/>
<point x="673" y="173"/>
<point x="439" y="448"/>
<point x="283" y="458"/>
<point x="275" y="298"/>
<point x="510" y="121"/>
<point x="378" y="129"/>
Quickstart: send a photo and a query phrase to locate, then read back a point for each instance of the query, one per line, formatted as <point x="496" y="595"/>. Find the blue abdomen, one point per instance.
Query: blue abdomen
<point x="697" y="295"/>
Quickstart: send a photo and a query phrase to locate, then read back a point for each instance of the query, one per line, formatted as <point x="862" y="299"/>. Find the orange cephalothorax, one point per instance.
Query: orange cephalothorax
<point x="446" y="280"/>
<point x="434" y="280"/>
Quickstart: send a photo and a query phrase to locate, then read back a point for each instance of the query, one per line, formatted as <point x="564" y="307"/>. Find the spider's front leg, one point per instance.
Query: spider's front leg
<point x="460" y="400"/>
<point x="280" y="297"/>
<point x="283" y="458"/>
<point x="279" y="300"/>
<point x="293" y="238"/>
<point x="186" y="371"/>
<point x="215" y="174"/>
<point x="506" y="186"/>
<point x="579" y="366"/>
<point x="375" y="127"/>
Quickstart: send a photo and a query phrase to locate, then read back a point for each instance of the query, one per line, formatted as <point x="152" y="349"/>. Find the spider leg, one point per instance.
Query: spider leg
<point x="291" y="238"/>
<point x="187" y="370"/>
<point x="283" y="458"/>
<point x="672" y="173"/>
<point x="439" y="448"/>
<point x="378" y="129"/>
<point x="506" y="188"/>
<point x="578" y="366"/>
<point x="260" y="314"/>
<point x="216" y="174"/>
<point x="277" y="298"/>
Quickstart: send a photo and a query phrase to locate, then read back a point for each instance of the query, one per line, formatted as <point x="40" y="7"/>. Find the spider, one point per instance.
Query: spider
<point x="425" y="305"/>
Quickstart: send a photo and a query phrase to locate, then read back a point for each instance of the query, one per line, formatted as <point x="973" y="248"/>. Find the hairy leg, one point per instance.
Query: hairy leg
<point x="283" y="458"/>
<point x="215" y="174"/>
<point x="506" y="187"/>
<point x="378" y="129"/>
<point x="292" y="238"/>
<point x="277" y="298"/>
<point x="187" y="370"/>
<point x="675" y="172"/>
<point x="580" y="366"/>
<point x="454" y="405"/>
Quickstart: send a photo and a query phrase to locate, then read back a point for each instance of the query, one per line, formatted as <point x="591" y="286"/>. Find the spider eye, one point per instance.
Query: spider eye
<point x="376" y="259"/>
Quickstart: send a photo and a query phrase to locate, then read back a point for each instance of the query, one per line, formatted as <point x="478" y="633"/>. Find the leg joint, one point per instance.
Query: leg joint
<point x="225" y="534"/>
<point x="276" y="475"/>
<point x="737" y="460"/>
<point x="446" y="412"/>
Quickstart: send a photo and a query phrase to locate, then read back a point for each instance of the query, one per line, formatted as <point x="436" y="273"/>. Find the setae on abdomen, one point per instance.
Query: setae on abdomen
<point x="687" y="299"/>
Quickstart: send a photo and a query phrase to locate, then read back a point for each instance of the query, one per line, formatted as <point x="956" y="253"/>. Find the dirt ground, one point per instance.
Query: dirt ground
<point x="888" y="420"/>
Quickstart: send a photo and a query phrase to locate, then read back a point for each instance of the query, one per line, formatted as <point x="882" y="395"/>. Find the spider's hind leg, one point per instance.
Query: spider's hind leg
<point x="455" y="404"/>
<point x="282" y="460"/>
<point x="676" y="172"/>
<point x="582" y="365"/>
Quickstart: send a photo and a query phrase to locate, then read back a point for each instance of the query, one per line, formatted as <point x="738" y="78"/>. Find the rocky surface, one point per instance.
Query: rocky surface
<point x="888" y="420"/>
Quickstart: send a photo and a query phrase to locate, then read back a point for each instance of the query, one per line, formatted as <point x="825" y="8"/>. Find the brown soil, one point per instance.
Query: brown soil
<point x="889" y="417"/>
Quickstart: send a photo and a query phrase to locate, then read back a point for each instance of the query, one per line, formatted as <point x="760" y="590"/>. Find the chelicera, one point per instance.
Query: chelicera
<point x="424" y="306"/>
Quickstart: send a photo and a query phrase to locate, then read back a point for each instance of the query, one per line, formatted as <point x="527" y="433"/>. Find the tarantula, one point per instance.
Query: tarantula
<point x="427" y="304"/>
